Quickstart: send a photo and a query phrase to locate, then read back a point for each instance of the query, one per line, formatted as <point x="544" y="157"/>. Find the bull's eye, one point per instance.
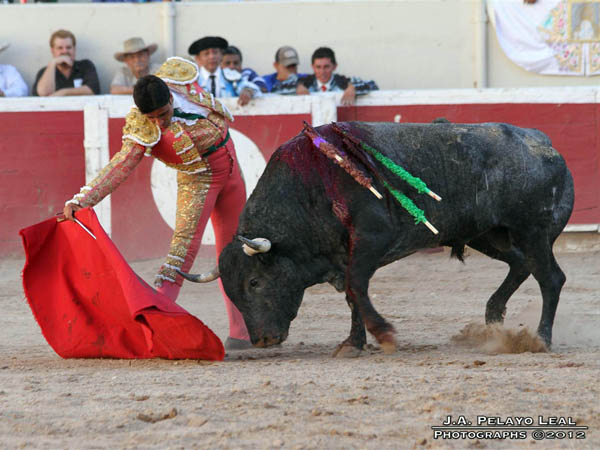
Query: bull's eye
<point x="253" y="282"/>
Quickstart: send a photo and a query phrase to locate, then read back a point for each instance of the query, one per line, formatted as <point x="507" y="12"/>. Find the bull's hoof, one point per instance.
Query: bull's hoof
<point x="494" y="315"/>
<point x="388" y="347"/>
<point x="387" y="341"/>
<point x="346" y="350"/>
<point x="546" y="338"/>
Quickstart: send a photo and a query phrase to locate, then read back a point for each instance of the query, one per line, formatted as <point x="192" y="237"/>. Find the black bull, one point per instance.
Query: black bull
<point x="506" y="193"/>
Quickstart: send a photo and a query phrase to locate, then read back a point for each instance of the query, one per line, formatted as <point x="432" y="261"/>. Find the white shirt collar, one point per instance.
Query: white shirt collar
<point x="182" y="103"/>
<point x="205" y="73"/>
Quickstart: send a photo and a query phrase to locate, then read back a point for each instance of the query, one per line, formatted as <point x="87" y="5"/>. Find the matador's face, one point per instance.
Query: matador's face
<point x="162" y="116"/>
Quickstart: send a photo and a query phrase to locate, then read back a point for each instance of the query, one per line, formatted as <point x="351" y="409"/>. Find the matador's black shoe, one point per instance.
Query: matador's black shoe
<point x="237" y="344"/>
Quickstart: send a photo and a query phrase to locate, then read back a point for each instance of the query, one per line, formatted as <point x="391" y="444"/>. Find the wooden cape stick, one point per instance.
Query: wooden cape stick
<point x="331" y="152"/>
<point x="396" y="169"/>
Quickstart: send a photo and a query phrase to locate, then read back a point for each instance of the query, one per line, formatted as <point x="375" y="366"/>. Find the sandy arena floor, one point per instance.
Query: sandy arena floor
<point x="296" y="396"/>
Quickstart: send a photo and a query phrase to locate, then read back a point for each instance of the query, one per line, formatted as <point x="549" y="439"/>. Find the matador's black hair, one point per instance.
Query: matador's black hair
<point x="150" y="93"/>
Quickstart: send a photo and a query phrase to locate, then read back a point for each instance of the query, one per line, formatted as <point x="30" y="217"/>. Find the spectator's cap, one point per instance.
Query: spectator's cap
<point x="134" y="45"/>
<point x="207" y="42"/>
<point x="286" y="55"/>
<point x="4" y="46"/>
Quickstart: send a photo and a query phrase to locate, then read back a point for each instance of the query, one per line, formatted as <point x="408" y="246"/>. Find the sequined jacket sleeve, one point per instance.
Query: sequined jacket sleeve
<point x="111" y="176"/>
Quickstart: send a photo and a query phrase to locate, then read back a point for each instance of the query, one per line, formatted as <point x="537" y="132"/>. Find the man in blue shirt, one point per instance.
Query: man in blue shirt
<point x="285" y="80"/>
<point x="208" y="54"/>
<point x="232" y="59"/>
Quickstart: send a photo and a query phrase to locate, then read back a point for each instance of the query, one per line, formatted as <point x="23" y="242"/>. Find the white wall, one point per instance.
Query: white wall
<point x="100" y="30"/>
<point x="402" y="44"/>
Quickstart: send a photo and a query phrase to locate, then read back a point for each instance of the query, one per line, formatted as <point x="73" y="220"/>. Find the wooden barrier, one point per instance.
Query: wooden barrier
<point x="50" y="147"/>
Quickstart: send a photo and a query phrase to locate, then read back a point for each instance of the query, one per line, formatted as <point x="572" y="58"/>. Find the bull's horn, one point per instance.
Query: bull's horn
<point x="254" y="246"/>
<point x="202" y="277"/>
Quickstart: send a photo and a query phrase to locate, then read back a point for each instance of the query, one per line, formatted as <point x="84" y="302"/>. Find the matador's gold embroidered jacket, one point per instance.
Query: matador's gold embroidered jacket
<point x="180" y="146"/>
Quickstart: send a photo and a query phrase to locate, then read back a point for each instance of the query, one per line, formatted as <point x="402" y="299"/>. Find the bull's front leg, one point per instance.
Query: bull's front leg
<point x="371" y="237"/>
<point x="355" y="343"/>
<point x="359" y="272"/>
<point x="383" y="331"/>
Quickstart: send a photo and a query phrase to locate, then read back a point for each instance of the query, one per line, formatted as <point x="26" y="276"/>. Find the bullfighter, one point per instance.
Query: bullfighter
<point x="185" y="127"/>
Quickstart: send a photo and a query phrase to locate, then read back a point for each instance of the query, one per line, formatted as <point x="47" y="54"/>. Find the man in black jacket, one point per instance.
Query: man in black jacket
<point x="325" y="80"/>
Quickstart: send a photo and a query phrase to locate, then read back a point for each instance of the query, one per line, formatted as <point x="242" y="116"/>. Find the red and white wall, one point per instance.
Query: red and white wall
<point x="50" y="147"/>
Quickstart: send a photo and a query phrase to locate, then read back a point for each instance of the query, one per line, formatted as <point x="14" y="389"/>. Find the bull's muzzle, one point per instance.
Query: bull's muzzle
<point x="268" y="341"/>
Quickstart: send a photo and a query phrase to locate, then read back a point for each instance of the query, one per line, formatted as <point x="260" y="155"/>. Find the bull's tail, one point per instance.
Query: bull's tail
<point x="564" y="208"/>
<point x="458" y="252"/>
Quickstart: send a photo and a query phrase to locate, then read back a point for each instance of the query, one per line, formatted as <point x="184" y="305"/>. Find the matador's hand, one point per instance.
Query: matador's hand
<point x="69" y="211"/>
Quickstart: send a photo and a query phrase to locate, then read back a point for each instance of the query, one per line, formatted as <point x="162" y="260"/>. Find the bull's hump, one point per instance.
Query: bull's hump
<point x="441" y="128"/>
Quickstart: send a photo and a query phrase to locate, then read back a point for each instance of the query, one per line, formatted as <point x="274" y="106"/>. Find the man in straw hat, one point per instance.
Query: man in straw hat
<point x="11" y="82"/>
<point x="136" y="56"/>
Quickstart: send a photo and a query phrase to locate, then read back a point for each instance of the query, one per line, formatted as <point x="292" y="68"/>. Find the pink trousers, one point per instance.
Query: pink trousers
<point x="218" y="194"/>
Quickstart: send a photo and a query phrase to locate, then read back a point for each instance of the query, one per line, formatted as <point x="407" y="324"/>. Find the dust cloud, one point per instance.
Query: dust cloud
<point x="497" y="339"/>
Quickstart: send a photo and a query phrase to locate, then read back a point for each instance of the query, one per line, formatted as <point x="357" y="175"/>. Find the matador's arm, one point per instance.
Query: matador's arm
<point x="111" y="176"/>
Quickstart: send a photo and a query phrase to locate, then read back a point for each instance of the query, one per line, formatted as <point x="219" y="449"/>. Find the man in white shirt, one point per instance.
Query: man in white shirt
<point x="208" y="54"/>
<point x="11" y="81"/>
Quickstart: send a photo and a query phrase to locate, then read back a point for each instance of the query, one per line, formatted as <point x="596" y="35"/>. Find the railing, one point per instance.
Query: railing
<point x="49" y="147"/>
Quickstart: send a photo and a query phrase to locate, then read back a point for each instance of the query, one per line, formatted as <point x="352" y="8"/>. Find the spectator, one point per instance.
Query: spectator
<point x="11" y="82"/>
<point x="136" y="56"/>
<point x="208" y="53"/>
<point x="285" y="80"/>
<point x="325" y="80"/>
<point x="64" y="75"/>
<point x="232" y="59"/>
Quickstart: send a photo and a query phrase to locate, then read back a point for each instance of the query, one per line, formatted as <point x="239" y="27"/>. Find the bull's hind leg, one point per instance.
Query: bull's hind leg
<point x="537" y="248"/>
<point x="495" y="309"/>
<point x="496" y="306"/>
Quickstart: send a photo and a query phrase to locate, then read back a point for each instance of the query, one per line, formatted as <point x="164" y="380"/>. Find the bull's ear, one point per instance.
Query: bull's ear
<point x="253" y="246"/>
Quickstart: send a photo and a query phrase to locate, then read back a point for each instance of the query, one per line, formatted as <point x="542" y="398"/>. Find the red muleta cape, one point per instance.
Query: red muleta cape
<point x="90" y="304"/>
